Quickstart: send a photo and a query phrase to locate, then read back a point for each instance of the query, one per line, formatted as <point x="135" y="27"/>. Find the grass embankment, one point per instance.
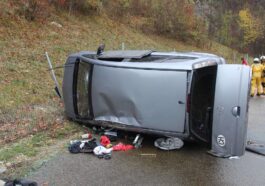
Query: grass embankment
<point x="29" y="108"/>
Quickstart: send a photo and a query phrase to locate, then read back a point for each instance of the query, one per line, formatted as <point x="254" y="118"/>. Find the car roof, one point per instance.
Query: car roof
<point x="141" y="59"/>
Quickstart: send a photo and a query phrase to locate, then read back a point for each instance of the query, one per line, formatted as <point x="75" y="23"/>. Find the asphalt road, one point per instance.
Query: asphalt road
<point x="191" y="165"/>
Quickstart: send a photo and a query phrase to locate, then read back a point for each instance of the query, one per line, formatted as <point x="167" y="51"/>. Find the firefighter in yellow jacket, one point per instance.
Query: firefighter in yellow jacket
<point x="262" y="60"/>
<point x="257" y="70"/>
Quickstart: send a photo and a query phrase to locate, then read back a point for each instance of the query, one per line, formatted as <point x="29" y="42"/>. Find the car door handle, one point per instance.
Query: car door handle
<point x="236" y="111"/>
<point x="181" y="102"/>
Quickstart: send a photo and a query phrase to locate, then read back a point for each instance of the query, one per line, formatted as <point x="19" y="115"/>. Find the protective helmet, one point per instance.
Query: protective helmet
<point x="256" y="60"/>
<point x="262" y="58"/>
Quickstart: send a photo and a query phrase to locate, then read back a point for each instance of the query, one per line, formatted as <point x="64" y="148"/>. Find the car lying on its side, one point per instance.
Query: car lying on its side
<point x="193" y="96"/>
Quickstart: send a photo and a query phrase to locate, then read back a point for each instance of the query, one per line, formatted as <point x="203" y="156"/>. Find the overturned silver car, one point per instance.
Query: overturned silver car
<point x="193" y="96"/>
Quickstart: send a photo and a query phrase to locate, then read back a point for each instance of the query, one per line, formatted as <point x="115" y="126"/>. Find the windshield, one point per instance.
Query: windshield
<point x="82" y="89"/>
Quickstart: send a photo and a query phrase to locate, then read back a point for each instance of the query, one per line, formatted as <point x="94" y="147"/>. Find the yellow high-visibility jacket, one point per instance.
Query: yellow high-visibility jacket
<point x="257" y="70"/>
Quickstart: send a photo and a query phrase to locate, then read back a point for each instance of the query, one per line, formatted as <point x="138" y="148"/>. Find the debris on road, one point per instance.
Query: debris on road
<point x="122" y="147"/>
<point x="102" y="152"/>
<point x="105" y="141"/>
<point x="85" y="146"/>
<point x="87" y="136"/>
<point x="102" y="148"/>
<point x="138" y="141"/>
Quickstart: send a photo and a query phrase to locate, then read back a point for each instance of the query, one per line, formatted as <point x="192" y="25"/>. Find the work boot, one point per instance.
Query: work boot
<point x="258" y="94"/>
<point x="252" y="96"/>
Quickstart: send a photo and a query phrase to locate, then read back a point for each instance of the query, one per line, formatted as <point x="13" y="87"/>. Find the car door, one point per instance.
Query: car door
<point x="152" y="99"/>
<point x="230" y="110"/>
